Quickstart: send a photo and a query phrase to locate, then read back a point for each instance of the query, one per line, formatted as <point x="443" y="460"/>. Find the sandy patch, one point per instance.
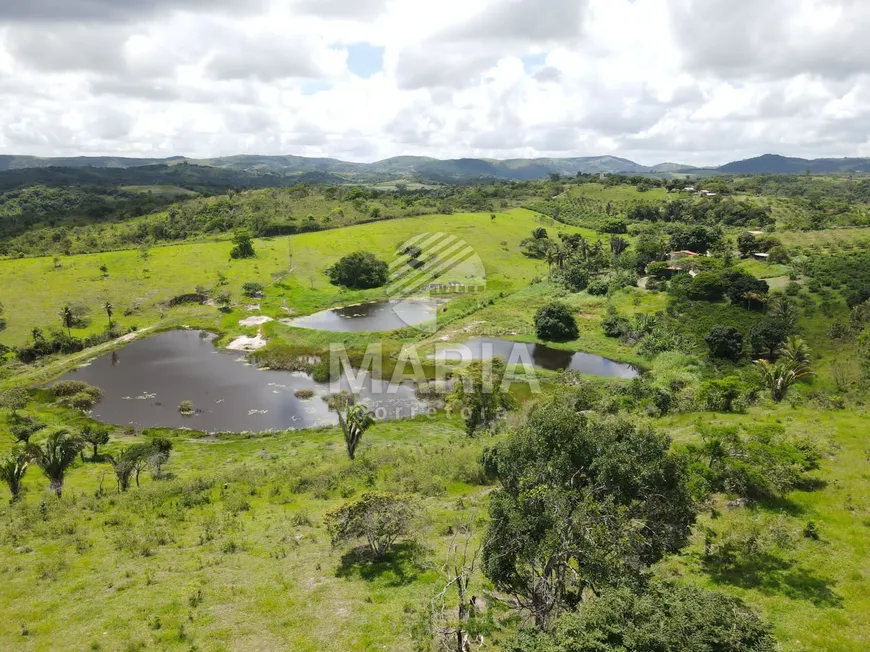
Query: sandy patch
<point x="245" y="343"/>
<point x="255" y="321"/>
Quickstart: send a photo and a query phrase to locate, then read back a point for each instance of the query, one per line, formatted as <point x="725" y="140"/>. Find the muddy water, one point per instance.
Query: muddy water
<point x="376" y="316"/>
<point x="544" y="357"/>
<point x="144" y="382"/>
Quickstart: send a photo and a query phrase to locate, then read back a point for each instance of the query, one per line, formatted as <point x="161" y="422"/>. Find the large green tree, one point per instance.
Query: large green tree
<point x="556" y="323"/>
<point x="725" y="342"/>
<point x="360" y="270"/>
<point x="584" y="503"/>
<point x="243" y="246"/>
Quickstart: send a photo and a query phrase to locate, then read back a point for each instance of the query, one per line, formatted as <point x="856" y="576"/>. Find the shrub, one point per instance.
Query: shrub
<point x="763" y="462"/>
<point x="779" y="255"/>
<point x="84" y="397"/>
<point x="243" y="246"/>
<point x="663" y="339"/>
<point x="555" y="323"/>
<point x="598" y="288"/>
<point x="665" y="616"/>
<point x="304" y="394"/>
<point x="225" y="301"/>
<point x="706" y="286"/>
<point x="252" y="289"/>
<point x="614" y="225"/>
<point x="660" y="270"/>
<point x="378" y="518"/>
<point x="680" y="285"/>
<point x="359" y="271"/>
<point x="656" y="285"/>
<point x="721" y="395"/>
<point x="186" y="408"/>
<point x="725" y="342"/>
<point x="535" y="247"/>
<point x="793" y="289"/>
<point x="616" y="326"/>
<point x="574" y="278"/>
<point x="69" y="387"/>
<point x="14" y="399"/>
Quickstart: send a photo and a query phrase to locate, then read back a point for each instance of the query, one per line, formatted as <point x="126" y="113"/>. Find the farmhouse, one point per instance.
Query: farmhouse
<point x="677" y="255"/>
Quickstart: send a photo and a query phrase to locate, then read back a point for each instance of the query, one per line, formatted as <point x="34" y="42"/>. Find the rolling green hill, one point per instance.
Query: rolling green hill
<point x="254" y="170"/>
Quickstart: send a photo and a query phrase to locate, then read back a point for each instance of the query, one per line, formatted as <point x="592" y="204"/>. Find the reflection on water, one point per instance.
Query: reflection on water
<point x="144" y="382"/>
<point x="374" y="316"/>
<point x="542" y="356"/>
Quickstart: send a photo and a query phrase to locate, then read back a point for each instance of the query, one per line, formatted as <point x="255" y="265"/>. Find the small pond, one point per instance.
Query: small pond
<point x="144" y="382"/>
<point x="375" y="316"/>
<point x="544" y="357"/>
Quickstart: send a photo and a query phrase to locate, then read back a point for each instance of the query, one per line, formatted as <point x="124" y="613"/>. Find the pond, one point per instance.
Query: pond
<point x="374" y="316"/>
<point x="544" y="357"/>
<point x="144" y="382"/>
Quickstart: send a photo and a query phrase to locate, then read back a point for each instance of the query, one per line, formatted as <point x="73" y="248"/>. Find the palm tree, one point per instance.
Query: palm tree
<point x="757" y="297"/>
<point x="780" y="376"/>
<point x="56" y="456"/>
<point x="109" y="311"/>
<point x="66" y="316"/>
<point x="795" y="351"/>
<point x="561" y="256"/>
<point x="618" y="246"/>
<point x="583" y="249"/>
<point x="354" y="421"/>
<point x="783" y="310"/>
<point x="12" y="470"/>
<point x="551" y="259"/>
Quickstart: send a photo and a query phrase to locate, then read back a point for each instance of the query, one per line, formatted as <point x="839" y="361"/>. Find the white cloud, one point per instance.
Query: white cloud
<point x="679" y="80"/>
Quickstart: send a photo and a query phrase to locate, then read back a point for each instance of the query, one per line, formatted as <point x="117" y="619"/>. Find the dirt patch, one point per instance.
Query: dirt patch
<point x="255" y="321"/>
<point x="245" y="343"/>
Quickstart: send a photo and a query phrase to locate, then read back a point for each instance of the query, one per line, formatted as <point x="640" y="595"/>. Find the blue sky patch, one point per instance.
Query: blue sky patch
<point x="310" y="87"/>
<point x="365" y="59"/>
<point x="531" y="62"/>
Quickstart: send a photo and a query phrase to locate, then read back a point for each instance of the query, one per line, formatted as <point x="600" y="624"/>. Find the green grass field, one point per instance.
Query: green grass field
<point x="239" y="558"/>
<point x="814" y="592"/>
<point x="36" y="290"/>
<point x="825" y="240"/>
<point x="171" y="191"/>
<point x="230" y="551"/>
<point x="763" y="270"/>
<point x="620" y="193"/>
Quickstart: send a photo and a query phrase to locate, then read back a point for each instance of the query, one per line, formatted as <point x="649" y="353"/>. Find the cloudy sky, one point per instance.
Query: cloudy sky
<point x="694" y="81"/>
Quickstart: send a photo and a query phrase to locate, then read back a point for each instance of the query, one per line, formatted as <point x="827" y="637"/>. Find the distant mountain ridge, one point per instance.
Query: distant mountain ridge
<point x="451" y="170"/>
<point x="775" y="164"/>
<point x="462" y="169"/>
